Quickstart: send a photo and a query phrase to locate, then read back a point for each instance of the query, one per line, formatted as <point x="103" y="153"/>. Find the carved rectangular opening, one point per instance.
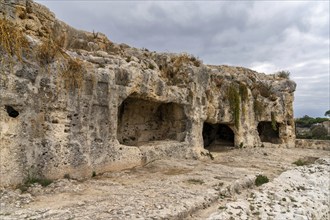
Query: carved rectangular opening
<point x="217" y="137"/>
<point x="267" y="133"/>
<point x="141" y="121"/>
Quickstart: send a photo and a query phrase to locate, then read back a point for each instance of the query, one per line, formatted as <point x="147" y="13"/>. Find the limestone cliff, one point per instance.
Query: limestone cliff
<point x="73" y="102"/>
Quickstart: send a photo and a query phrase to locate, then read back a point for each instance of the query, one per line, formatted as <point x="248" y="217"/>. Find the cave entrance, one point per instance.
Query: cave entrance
<point x="11" y="111"/>
<point x="218" y="137"/>
<point x="141" y="121"/>
<point x="267" y="133"/>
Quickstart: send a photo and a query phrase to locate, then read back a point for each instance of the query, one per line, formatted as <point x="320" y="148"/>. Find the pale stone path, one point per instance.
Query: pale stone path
<point x="300" y="194"/>
<point x="164" y="189"/>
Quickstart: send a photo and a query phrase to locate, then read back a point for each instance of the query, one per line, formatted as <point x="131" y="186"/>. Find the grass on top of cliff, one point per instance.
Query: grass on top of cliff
<point x="283" y="74"/>
<point x="185" y="58"/>
<point x="12" y="39"/>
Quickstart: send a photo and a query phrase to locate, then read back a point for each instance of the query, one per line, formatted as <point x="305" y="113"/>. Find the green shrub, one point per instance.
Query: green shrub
<point x="305" y="161"/>
<point x="318" y="132"/>
<point x="33" y="180"/>
<point x="283" y="74"/>
<point x="261" y="179"/>
<point x="42" y="181"/>
<point x="241" y="145"/>
<point x="299" y="162"/>
<point x="308" y="121"/>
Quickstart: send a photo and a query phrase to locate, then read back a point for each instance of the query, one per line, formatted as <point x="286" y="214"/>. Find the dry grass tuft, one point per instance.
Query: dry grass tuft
<point x="48" y="50"/>
<point x="185" y="58"/>
<point x="12" y="39"/>
<point x="174" y="71"/>
<point x="73" y="75"/>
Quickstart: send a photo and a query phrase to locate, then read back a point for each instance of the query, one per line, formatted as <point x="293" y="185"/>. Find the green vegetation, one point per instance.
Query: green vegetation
<point x="208" y="154"/>
<point x="274" y="123"/>
<point x="258" y="108"/>
<point x="169" y="70"/>
<point x="319" y="132"/>
<point x="243" y="91"/>
<point x="234" y="103"/>
<point x="261" y="179"/>
<point x="94" y="174"/>
<point x="12" y="39"/>
<point x="241" y="145"/>
<point x="307" y="121"/>
<point x="284" y="74"/>
<point x="34" y="180"/>
<point x="327" y="113"/>
<point x="311" y="128"/>
<point x="305" y="161"/>
<point x="299" y="162"/>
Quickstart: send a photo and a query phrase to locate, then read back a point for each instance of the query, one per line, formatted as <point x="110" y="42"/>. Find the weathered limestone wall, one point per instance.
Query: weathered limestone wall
<point x="96" y="106"/>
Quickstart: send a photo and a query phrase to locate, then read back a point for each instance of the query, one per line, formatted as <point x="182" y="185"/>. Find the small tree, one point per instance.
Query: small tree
<point x="327" y="113"/>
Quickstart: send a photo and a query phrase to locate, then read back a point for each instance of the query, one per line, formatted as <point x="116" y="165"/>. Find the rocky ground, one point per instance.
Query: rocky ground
<point x="222" y="188"/>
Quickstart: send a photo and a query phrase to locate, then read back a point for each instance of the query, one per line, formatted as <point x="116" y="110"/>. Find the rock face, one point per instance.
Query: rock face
<point x="75" y="103"/>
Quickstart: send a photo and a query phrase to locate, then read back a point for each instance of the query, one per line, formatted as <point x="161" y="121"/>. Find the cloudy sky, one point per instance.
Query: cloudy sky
<point x="266" y="36"/>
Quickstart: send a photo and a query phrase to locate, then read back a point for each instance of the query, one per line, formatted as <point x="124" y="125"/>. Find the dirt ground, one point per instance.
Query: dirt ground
<point x="163" y="189"/>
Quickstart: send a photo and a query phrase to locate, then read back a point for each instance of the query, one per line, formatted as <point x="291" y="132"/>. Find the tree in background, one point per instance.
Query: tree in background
<point x="308" y="121"/>
<point x="312" y="128"/>
<point x="319" y="132"/>
<point x="327" y="113"/>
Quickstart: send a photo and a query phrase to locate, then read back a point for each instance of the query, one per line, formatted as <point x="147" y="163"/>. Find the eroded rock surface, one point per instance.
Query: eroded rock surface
<point x="301" y="193"/>
<point x="185" y="189"/>
<point x="74" y="103"/>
